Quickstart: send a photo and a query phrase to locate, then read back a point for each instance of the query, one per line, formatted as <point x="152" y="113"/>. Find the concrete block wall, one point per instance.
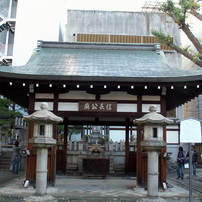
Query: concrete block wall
<point x="123" y="23"/>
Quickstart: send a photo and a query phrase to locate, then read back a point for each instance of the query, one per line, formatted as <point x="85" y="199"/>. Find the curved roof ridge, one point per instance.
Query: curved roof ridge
<point x="65" y="61"/>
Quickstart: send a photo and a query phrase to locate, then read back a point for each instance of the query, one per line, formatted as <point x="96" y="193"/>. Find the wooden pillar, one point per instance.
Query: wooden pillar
<point x="163" y="106"/>
<point x="65" y="147"/>
<point x="55" y="103"/>
<point x="30" y="131"/>
<point x="163" y="160"/>
<point x="139" y="157"/>
<point x="29" y="159"/>
<point x="127" y="147"/>
<point x="53" y="158"/>
<point x="139" y="149"/>
<point x="31" y="101"/>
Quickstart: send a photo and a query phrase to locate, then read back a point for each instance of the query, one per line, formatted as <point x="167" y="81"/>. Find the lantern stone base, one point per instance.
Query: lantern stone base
<point x="40" y="198"/>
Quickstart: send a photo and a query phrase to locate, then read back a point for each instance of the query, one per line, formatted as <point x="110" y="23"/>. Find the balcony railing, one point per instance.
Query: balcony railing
<point x="4" y="13"/>
<point x="6" y="50"/>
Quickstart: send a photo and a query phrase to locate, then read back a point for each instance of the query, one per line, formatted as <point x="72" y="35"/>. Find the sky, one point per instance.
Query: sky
<point x="112" y="5"/>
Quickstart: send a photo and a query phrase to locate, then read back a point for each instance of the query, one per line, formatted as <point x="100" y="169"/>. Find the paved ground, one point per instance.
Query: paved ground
<point x="78" y="189"/>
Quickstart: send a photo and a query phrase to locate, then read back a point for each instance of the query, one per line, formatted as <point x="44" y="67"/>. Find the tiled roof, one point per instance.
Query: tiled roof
<point x="73" y="61"/>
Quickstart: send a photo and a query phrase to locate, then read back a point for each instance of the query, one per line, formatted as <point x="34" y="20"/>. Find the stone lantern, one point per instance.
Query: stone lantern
<point x="42" y="139"/>
<point x="153" y="142"/>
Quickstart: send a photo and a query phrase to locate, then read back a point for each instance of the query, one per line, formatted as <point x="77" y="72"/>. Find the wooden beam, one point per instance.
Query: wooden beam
<point x="65" y="147"/>
<point x="31" y="101"/>
<point x="53" y="158"/>
<point x="29" y="158"/>
<point x="139" y="157"/>
<point x="163" y="105"/>
<point x="127" y="148"/>
<point x="139" y="104"/>
<point x="163" y="161"/>
<point x="55" y="102"/>
<point x="29" y="167"/>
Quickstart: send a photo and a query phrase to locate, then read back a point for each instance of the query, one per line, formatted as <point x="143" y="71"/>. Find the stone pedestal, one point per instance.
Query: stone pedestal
<point x="153" y="147"/>
<point x="96" y="137"/>
<point x="41" y="170"/>
<point x="152" y="174"/>
<point x="44" y="198"/>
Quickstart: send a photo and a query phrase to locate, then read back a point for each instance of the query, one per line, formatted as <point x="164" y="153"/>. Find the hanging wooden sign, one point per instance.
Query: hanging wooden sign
<point x="97" y="106"/>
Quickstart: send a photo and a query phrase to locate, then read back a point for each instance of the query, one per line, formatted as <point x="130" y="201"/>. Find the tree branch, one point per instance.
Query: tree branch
<point x="179" y="18"/>
<point x="195" y="14"/>
<point x="186" y="54"/>
<point x="192" y="38"/>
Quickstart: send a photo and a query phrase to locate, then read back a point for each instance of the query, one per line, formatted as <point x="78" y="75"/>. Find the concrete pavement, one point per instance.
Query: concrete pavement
<point x="79" y="189"/>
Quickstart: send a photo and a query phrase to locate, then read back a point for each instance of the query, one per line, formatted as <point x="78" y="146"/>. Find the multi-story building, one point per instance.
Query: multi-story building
<point x="7" y="30"/>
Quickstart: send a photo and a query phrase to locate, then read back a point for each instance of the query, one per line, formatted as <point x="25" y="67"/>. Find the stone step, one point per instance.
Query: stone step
<point x="97" y="200"/>
<point x="6" y="154"/>
<point x="4" y="168"/>
<point x="5" y="162"/>
<point x="5" y="158"/>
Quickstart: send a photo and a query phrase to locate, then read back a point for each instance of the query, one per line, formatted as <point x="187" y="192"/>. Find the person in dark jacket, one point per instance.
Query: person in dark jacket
<point x="195" y="158"/>
<point x="181" y="157"/>
<point x="16" y="157"/>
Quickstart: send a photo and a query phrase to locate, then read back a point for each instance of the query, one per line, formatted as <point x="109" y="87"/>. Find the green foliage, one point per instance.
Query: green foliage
<point x="60" y="128"/>
<point x="106" y="138"/>
<point x="86" y="138"/>
<point x="168" y="158"/>
<point x="195" y="5"/>
<point x="9" y="132"/>
<point x="3" y="199"/>
<point x="197" y="56"/>
<point x="179" y="10"/>
<point x="179" y="13"/>
<point x="76" y="129"/>
<point x="186" y="48"/>
<point x="162" y="38"/>
<point x="7" y="114"/>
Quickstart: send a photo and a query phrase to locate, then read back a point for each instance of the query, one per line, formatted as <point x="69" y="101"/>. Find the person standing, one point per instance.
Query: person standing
<point x="195" y="158"/>
<point x="16" y="157"/>
<point x="181" y="157"/>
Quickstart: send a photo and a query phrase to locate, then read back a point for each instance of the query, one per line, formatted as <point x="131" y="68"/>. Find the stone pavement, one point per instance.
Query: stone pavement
<point x="78" y="189"/>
